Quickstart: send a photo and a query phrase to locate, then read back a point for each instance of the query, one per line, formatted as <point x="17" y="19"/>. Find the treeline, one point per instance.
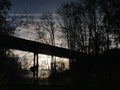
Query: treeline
<point x="91" y="26"/>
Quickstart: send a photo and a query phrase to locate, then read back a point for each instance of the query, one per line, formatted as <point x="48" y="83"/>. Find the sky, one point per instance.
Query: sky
<point x="35" y="6"/>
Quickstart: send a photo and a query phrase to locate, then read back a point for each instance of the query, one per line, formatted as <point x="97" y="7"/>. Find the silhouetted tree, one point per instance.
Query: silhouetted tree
<point x="10" y="69"/>
<point x="111" y="19"/>
<point x="4" y="26"/>
<point x="96" y="27"/>
<point x="48" y="30"/>
<point x="68" y="13"/>
<point x="70" y="23"/>
<point x="87" y="26"/>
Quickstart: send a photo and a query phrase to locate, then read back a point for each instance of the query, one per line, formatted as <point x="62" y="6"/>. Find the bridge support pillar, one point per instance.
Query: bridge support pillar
<point x="36" y="65"/>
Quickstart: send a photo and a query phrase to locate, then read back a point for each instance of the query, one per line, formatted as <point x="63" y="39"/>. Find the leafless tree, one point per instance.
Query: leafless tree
<point x="85" y="26"/>
<point x="46" y="32"/>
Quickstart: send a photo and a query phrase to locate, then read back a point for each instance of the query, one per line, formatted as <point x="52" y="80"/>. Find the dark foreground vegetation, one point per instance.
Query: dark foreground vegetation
<point x="92" y="72"/>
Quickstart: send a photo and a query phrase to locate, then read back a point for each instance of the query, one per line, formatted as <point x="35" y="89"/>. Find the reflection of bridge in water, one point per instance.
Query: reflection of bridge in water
<point x="10" y="42"/>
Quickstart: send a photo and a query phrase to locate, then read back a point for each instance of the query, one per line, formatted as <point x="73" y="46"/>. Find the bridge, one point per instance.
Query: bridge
<point x="12" y="42"/>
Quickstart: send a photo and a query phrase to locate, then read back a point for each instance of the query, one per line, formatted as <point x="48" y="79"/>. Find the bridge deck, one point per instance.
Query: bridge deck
<point x="11" y="42"/>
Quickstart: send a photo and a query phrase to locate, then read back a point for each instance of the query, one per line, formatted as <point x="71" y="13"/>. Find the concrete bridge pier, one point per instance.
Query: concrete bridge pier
<point x="35" y="73"/>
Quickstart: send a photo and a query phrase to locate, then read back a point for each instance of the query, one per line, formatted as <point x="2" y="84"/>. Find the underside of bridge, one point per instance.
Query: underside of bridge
<point x="11" y="42"/>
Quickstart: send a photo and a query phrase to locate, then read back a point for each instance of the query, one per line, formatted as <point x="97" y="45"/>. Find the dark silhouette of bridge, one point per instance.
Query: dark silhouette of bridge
<point x="11" y="42"/>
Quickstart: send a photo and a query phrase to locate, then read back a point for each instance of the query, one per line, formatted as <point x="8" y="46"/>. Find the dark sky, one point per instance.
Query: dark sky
<point x="35" y="6"/>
